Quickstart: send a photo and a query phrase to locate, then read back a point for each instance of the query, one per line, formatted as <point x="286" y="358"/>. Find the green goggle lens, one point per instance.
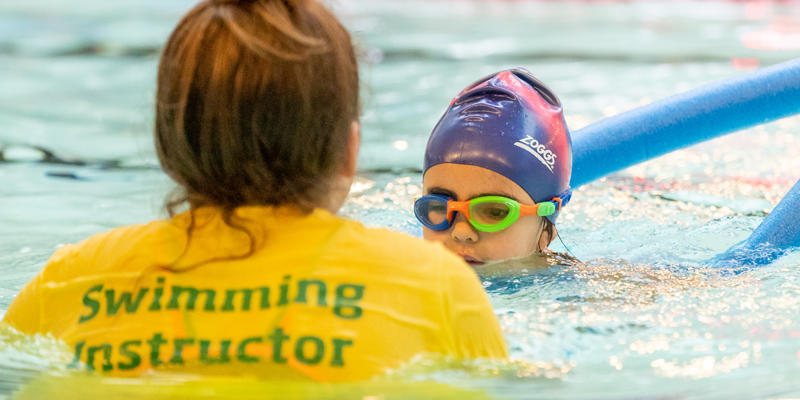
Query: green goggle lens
<point x="490" y="213"/>
<point x="493" y="213"/>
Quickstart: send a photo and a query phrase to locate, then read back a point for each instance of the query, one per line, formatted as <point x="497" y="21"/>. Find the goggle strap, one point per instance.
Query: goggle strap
<point x="561" y="200"/>
<point x="557" y="202"/>
<point x="565" y="197"/>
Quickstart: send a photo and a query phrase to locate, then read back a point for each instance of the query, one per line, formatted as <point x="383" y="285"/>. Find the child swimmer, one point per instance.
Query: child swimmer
<point x="497" y="170"/>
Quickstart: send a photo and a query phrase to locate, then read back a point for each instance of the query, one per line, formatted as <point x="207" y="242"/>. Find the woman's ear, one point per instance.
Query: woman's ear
<point x="341" y="182"/>
<point x="350" y="161"/>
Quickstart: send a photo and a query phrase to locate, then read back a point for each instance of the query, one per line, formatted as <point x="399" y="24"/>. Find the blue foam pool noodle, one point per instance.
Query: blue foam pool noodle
<point x="704" y="113"/>
<point x="778" y="233"/>
<point x="684" y="119"/>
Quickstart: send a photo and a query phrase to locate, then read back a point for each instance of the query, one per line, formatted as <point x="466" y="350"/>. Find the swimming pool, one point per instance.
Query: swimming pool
<point x="638" y="318"/>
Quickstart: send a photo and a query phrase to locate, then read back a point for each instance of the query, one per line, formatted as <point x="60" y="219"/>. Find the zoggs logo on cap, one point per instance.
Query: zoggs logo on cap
<point x="538" y="150"/>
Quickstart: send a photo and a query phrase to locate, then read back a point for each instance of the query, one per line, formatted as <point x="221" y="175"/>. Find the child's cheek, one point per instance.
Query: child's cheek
<point x="435" y="236"/>
<point x="517" y="241"/>
<point x="497" y="246"/>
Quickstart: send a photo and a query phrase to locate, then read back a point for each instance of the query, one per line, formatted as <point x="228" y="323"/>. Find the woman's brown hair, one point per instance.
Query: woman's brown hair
<point x="254" y="103"/>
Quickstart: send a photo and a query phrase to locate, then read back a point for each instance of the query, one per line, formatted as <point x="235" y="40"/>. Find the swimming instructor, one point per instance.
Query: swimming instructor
<point x="257" y="122"/>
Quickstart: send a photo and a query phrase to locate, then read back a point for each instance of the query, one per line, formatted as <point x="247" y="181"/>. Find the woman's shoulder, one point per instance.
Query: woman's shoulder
<point x="110" y="249"/>
<point x="130" y="236"/>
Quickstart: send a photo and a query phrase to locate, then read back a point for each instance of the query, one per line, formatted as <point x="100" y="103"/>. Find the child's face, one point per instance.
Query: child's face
<point x="465" y="182"/>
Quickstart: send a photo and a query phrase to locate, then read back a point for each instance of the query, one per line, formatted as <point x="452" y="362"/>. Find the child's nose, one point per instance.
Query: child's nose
<point x="462" y="230"/>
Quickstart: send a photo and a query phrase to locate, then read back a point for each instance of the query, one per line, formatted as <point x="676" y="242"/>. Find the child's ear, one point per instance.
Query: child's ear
<point x="548" y="234"/>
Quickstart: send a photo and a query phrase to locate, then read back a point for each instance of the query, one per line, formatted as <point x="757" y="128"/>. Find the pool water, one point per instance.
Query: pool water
<point x="639" y="316"/>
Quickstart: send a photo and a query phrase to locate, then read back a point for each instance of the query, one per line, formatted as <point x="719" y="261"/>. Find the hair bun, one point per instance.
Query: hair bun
<point x="230" y="2"/>
<point x="243" y="2"/>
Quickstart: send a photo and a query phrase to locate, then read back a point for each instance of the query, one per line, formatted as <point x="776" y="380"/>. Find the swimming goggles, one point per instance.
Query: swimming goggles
<point x="485" y="213"/>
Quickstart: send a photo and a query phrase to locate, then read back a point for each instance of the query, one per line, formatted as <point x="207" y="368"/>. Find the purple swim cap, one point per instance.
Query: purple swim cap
<point x="512" y="124"/>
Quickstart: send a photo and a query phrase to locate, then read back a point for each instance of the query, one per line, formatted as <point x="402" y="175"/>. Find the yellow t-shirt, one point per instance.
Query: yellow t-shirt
<point x="319" y="297"/>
